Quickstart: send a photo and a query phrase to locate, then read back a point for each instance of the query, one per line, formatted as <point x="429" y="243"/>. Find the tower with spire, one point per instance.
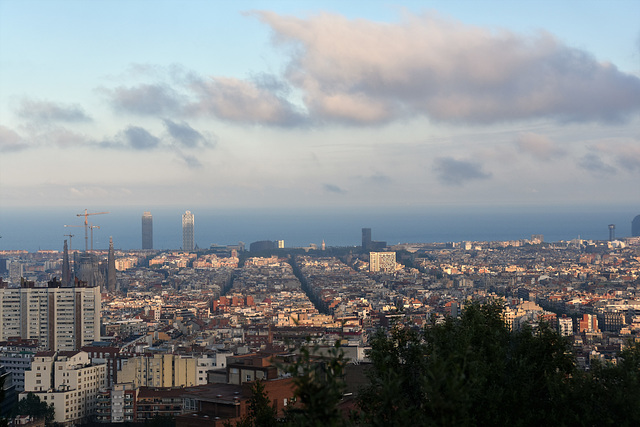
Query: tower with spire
<point x="111" y="268"/>
<point x="66" y="268"/>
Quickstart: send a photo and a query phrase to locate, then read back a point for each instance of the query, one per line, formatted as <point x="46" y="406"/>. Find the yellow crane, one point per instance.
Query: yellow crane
<point x="86" y="227"/>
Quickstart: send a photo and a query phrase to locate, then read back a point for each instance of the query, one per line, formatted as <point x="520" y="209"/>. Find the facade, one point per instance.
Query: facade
<point x="69" y="381"/>
<point x="154" y="401"/>
<point x="565" y="326"/>
<point x="61" y="319"/>
<point x="16" y="362"/>
<point x="589" y="323"/>
<point x="147" y="230"/>
<point x="159" y="370"/>
<point x="208" y="363"/>
<point x="117" y="405"/>
<point x="188" y="231"/>
<point x="382" y="261"/>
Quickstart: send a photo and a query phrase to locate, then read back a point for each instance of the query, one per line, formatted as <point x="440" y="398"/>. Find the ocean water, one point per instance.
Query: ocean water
<point x="43" y="228"/>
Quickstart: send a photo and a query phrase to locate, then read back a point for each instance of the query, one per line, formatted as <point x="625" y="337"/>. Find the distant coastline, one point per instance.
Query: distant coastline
<point x="24" y="228"/>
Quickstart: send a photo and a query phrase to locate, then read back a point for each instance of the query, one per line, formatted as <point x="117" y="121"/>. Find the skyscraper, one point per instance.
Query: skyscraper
<point x="187" y="231"/>
<point x="147" y="231"/>
<point x="111" y="268"/>
<point x="366" y="239"/>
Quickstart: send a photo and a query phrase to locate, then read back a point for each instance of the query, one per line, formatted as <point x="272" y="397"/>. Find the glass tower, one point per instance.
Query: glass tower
<point x="187" y="231"/>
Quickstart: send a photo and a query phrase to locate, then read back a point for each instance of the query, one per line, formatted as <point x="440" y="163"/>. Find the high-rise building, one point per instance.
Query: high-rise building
<point x="382" y="261"/>
<point x="61" y="319"/>
<point x="111" y="268"/>
<point x="366" y="238"/>
<point x="635" y="227"/>
<point x="147" y="230"/>
<point x="187" y="231"/>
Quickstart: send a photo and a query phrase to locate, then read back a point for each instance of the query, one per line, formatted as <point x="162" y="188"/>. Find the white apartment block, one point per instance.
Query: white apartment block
<point x="382" y="261"/>
<point x="61" y="319"/>
<point x="565" y="326"/>
<point x="69" y="381"/>
<point x="210" y="362"/>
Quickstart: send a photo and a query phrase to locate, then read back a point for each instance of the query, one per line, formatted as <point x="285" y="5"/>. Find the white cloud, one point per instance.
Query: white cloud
<point x="538" y="146"/>
<point x="366" y="72"/>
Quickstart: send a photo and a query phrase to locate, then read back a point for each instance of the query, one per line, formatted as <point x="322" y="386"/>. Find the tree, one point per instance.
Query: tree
<point x="468" y="371"/>
<point x="261" y="411"/>
<point x="32" y="405"/>
<point x="319" y="387"/>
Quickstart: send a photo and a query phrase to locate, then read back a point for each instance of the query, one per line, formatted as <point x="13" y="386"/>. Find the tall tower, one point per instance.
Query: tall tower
<point x="111" y="268"/>
<point x="187" y="231"/>
<point x="147" y="231"/>
<point x="366" y="239"/>
<point x="612" y="232"/>
<point x="66" y="268"/>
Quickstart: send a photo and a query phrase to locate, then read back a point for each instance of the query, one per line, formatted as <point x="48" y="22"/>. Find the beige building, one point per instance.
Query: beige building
<point x="69" y="381"/>
<point x="382" y="261"/>
<point x="159" y="370"/>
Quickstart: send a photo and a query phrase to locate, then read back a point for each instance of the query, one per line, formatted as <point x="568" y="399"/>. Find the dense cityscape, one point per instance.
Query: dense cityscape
<point x="315" y="213"/>
<point x="129" y="335"/>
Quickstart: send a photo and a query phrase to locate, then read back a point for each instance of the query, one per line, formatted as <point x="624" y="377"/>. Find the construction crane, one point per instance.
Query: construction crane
<point x="70" y="236"/>
<point x="86" y="226"/>
<point x="92" y="227"/>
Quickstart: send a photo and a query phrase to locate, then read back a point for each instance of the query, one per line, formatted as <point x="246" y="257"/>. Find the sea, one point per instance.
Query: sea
<point x="42" y="228"/>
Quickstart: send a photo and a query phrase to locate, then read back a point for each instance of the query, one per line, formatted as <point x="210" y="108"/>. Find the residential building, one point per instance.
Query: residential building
<point x="382" y="261"/>
<point x="59" y="318"/>
<point x="69" y="381"/>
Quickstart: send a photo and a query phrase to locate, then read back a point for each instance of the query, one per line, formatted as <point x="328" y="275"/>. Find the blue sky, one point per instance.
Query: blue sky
<point x="302" y="103"/>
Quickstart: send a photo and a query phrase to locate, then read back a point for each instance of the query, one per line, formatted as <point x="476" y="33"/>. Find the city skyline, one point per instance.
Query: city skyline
<point x="255" y="104"/>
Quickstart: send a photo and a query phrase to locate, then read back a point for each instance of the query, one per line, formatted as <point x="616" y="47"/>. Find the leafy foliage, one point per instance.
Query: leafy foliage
<point x="319" y="387"/>
<point x="32" y="405"/>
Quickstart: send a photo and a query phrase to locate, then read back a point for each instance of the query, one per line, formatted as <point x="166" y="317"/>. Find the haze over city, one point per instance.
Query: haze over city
<point x="288" y="104"/>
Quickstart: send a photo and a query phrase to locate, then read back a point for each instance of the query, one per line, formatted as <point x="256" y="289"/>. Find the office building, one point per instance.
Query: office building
<point x="366" y="238"/>
<point x="382" y="261"/>
<point x="371" y="245"/>
<point x="635" y="227"/>
<point x="61" y="319"/>
<point x="147" y="230"/>
<point x="69" y="381"/>
<point x="187" y="231"/>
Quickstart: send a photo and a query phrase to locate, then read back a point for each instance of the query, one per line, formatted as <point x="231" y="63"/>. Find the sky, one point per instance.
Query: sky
<point x="333" y="104"/>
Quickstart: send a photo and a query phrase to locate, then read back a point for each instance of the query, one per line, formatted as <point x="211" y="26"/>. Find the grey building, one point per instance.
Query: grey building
<point x="147" y="230"/>
<point x="187" y="231"/>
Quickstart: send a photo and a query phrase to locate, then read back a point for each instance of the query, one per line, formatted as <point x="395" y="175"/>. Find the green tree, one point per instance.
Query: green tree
<point x="261" y="410"/>
<point x="32" y="405"/>
<point x="318" y="387"/>
<point x="468" y="371"/>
